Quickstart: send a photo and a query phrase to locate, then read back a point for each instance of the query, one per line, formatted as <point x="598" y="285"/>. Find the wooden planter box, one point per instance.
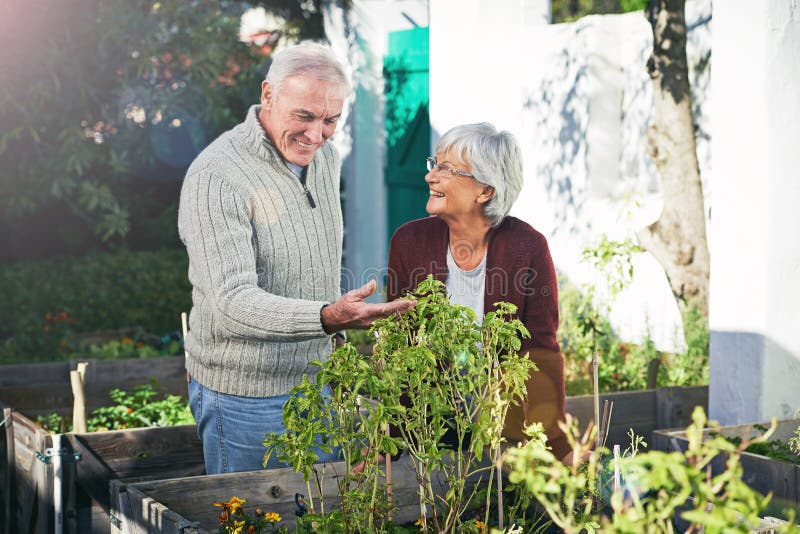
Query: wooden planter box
<point x="26" y="501"/>
<point x="643" y="411"/>
<point x="761" y="473"/>
<point x="89" y="460"/>
<point x="185" y="505"/>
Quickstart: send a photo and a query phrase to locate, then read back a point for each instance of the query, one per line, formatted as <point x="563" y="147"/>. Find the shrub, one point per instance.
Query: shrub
<point x="47" y="306"/>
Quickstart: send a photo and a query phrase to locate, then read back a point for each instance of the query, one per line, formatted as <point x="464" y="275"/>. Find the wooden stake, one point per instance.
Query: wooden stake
<point x="76" y="379"/>
<point x="596" y="396"/>
<point x="388" y="459"/>
<point x="184" y="331"/>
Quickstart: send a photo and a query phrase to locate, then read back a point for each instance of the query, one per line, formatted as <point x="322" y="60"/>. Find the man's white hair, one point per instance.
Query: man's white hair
<point x="307" y="59"/>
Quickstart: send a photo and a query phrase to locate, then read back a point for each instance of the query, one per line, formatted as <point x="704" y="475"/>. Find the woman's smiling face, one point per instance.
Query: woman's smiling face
<point x="301" y="117"/>
<point x="453" y="195"/>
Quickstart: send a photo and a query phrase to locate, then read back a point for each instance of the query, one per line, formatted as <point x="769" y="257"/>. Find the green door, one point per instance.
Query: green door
<point x="408" y="129"/>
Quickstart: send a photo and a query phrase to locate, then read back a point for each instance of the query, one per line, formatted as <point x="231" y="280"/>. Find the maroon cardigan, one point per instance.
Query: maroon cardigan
<point x="519" y="270"/>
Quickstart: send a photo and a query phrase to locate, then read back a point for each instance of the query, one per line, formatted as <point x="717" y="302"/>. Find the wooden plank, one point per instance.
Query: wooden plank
<point x="632" y="409"/>
<point x="161" y="452"/>
<point x="45" y="373"/>
<point x="761" y="473"/>
<point x="40" y="389"/>
<point x="674" y="405"/>
<point x="9" y="492"/>
<point x="191" y="499"/>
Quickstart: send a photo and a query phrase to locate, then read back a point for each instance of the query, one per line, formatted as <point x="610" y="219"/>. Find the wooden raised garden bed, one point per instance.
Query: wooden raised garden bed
<point x="26" y="470"/>
<point x="89" y="460"/>
<point x="185" y="505"/>
<point x="761" y="473"/>
<point x="643" y="411"/>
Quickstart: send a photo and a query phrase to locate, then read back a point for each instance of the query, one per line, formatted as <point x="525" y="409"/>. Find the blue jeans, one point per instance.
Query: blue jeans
<point x="233" y="429"/>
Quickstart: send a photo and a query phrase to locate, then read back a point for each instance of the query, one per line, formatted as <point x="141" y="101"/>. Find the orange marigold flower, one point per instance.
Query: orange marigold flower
<point x="272" y="517"/>
<point x="235" y="503"/>
<point x="127" y="340"/>
<point x="480" y="525"/>
<point x="251" y="529"/>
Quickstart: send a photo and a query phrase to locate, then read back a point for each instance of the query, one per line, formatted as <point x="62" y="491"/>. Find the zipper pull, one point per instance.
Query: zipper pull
<point x="309" y="197"/>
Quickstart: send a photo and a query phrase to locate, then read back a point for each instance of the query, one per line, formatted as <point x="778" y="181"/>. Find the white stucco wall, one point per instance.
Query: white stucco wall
<point x="578" y="98"/>
<point x="360" y="39"/>
<point x="755" y="227"/>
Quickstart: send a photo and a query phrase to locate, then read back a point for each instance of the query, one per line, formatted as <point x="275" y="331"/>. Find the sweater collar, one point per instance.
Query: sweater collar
<point x="255" y="138"/>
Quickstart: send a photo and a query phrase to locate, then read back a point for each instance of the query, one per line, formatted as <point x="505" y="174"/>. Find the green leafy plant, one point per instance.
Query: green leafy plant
<point x="584" y="329"/>
<point x="457" y="374"/>
<point x="140" y="408"/>
<point x="775" y="448"/>
<point x="656" y="486"/>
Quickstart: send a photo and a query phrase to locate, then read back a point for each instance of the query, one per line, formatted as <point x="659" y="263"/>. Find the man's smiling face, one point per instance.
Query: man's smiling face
<point x="301" y="116"/>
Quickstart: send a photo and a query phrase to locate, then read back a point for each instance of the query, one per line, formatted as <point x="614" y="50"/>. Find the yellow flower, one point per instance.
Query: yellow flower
<point x="235" y="503"/>
<point x="272" y="517"/>
<point x="480" y="525"/>
<point x="420" y="522"/>
<point x="238" y="526"/>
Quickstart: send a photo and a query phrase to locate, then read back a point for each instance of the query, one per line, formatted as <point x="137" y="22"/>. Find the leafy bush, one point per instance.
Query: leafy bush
<point x="451" y="369"/>
<point x="656" y="487"/>
<point x="48" y="306"/>
<point x="623" y="366"/>
<point x="105" y="103"/>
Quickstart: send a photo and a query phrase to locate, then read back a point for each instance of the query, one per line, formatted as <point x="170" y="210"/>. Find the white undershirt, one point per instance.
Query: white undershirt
<point x="466" y="287"/>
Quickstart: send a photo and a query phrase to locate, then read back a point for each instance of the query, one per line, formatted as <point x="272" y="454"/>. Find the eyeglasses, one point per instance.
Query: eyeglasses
<point x="444" y="169"/>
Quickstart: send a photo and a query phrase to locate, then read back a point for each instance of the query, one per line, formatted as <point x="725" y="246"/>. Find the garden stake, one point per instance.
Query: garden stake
<point x="596" y="396"/>
<point x="184" y="331"/>
<point x="76" y="379"/>
<point x="607" y="420"/>
<point x="388" y="459"/>
<point x="617" y="478"/>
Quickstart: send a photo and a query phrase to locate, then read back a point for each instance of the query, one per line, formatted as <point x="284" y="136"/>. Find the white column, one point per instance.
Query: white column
<point x="755" y="222"/>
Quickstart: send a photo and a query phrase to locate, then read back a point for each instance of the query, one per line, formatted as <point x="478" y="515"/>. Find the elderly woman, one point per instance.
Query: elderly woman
<point x="484" y="256"/>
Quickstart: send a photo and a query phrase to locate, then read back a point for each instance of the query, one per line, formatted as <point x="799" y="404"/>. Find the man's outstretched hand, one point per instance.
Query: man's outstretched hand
<point x="350" y="311"/>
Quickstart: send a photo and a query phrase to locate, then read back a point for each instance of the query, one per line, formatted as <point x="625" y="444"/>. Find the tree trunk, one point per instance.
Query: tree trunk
<point x="678" y="238"/>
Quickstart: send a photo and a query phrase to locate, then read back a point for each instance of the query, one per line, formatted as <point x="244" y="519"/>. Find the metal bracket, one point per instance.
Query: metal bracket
<point x="187" y="524"/>
<point x="115" y="521"/>
<point x="47" y="457"/>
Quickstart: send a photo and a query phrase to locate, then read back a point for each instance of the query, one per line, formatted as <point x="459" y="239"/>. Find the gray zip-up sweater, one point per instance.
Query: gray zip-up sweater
<point x="262" y="262"/>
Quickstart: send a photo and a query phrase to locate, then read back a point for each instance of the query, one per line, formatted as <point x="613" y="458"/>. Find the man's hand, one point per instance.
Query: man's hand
<point x="350" y="311"/>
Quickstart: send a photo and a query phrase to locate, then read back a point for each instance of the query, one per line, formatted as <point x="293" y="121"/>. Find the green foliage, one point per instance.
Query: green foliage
<point x="47" y="306"/>
<point x="775" y="448"/>
<point x="138" y="409"/>
<point x="450" y="367"/>
<point x="794" y="442"/>
<point x="584" y="329"/>
<point x="571" y="10"/>
<point x="141" y="408"/>
<point x="101" y="100"/>
<point x="657" y="486"/>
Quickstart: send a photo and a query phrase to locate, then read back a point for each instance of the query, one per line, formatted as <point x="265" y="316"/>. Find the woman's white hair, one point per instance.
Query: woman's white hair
<point x="308" y="59"/>
<point x="495" y="159"/>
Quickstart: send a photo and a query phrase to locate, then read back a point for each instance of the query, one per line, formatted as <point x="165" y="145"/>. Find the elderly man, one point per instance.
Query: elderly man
<point x="261" y="221"/>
